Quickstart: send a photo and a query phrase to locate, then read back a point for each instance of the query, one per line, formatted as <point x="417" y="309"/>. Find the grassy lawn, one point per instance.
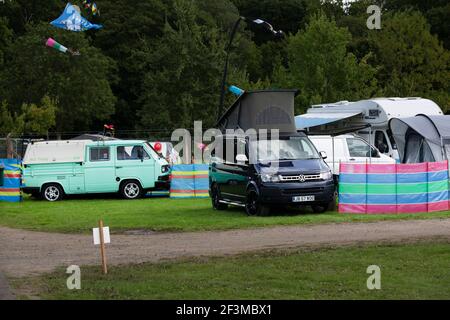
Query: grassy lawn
<point x="161" y="214"/>
<point x="409" y="271"/>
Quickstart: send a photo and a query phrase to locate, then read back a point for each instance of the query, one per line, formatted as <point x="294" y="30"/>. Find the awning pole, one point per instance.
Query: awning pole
<point x="370" y="144"/>
<point x="334" y="167"/>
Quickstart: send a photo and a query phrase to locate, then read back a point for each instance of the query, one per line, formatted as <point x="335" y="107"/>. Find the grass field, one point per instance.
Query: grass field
<point x="161" y="214"/>
<point x="409" y="271"/>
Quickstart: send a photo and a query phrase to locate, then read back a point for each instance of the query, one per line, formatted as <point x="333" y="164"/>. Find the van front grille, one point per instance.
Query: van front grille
<point x="300" y="178"/>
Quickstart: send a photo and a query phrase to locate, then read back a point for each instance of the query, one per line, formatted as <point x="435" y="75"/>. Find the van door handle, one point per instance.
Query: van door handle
<point x="352" y="159"/>
<point x="119" y="167"/>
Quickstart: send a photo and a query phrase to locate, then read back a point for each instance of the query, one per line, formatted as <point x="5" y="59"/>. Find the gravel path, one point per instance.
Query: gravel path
<point x="26" y="252"/>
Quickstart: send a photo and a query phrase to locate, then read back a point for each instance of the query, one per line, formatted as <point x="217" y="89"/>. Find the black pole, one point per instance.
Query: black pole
<point x="228" y="49"/>
<point x="225" y="69"/>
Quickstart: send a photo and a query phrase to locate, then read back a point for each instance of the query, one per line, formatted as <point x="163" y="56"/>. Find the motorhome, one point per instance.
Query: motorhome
<point x="53" y="169"/>
<point x="348" y="148"/>
<point x="367" y="118"/>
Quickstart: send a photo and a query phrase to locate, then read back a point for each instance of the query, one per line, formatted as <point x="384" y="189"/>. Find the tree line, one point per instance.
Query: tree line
<point x="157" y="64"/>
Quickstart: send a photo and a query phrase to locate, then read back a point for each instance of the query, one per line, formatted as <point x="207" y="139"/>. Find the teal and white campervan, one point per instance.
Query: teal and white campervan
<point x="53" y="169"/>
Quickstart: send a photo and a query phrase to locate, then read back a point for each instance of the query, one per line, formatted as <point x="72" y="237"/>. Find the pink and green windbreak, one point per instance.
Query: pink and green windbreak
<point x="393" y="188"/>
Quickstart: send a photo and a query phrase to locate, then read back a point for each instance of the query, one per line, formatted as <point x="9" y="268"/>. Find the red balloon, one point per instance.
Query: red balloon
<point x="158" y="147"/>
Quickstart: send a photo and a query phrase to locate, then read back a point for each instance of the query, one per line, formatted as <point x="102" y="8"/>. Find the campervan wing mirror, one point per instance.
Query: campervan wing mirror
<point x="375" y="153"/>
<point x="323" y="154"/>
<point x="241" y="158"/>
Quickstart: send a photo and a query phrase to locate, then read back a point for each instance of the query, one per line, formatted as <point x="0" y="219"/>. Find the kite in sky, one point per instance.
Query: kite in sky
<point x="72" y="20"/>
<point x="55" y="45"/>
<point x="269" y="27"/>
<point x="89" y="4"/>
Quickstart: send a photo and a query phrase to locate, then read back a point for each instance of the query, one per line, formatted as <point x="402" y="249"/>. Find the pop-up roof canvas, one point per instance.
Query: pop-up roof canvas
<point x="268" y="109"/>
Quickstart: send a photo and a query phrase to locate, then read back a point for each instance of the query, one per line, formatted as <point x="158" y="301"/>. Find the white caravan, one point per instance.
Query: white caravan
<point x="367" y="118"/>
<point x="348" y="148"/>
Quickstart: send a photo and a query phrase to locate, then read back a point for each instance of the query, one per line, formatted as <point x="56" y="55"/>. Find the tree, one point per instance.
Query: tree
<point x="37" y="119"/>
<point x="412" y="61"/>
<point x="23" y="12"/>
<point x="81" y="84"/>
<point x="183" y="87"/>
<point x="5" y="38"/>
<point x="320" y="66"/>
<point x="130" y="33"/>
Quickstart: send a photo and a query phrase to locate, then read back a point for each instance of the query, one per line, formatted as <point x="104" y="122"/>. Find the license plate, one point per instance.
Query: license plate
<point x="303" y="199"/>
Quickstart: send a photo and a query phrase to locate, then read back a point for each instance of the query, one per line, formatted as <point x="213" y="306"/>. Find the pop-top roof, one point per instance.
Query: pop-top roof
<point x="265" y="109"/>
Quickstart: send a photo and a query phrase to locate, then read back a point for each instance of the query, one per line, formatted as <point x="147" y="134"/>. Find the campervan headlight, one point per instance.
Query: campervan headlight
<point x="267" y="177"/>
<point x="326" y="175"/>
<point x="165" y="169"/>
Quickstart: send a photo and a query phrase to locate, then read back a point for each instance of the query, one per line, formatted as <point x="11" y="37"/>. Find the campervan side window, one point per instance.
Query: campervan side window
<point x="99" y="154"/>
<point x="132" y="153"/>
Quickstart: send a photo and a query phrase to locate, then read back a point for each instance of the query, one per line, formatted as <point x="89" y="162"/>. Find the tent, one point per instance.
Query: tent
<point x="422" y="138"/>
<point x="265" y="109"/>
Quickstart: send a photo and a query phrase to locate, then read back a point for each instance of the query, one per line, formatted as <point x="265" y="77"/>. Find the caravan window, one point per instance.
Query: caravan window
<point x="1" y="177"/>
<point x="99" y="154"/>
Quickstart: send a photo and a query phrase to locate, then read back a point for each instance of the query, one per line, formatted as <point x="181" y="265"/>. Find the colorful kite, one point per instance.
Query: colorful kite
<point x="72" y="20"/>
<point x="55" y="45"/>
<point x="89" y="4"/>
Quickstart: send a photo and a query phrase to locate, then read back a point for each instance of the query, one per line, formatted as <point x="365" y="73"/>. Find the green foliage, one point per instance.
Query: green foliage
<point x="321" y="67"/>
<point x="158" y="64"/>
<point x="412" y="61"/>
<point x="5" y="38"/>
<point x="32" y="118"/>
<point x="38" y="119"/>
<point x="81" y="84"/>
<point x="183" y="87"/>
<point x="21" y="13"/>
<point x="6" y="119"/>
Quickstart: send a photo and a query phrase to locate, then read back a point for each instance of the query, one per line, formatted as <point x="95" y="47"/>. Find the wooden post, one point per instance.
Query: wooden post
<point x="102" y="247"/>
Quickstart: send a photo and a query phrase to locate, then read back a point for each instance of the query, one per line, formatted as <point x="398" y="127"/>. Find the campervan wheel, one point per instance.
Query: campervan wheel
<point x="131" y="190"/>
<point x="52" y="192"/>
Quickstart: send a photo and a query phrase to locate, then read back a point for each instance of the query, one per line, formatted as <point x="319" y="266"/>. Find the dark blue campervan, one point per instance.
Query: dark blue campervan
<point x="245" y="170"/>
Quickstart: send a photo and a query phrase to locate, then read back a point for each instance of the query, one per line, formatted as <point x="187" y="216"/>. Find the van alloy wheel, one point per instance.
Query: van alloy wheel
<point x="52" y="193"/>
<point x="131" y="190"/>
<point x="253" y="206"/>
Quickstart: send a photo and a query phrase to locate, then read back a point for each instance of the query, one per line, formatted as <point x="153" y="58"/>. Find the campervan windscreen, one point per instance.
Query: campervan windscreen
<point x="291" y="148"/>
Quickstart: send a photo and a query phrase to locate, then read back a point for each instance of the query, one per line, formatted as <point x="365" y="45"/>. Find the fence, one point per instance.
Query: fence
<point x="10" y="180"/>
<point x="189" y="181"/>
<point x="393" y="188"/>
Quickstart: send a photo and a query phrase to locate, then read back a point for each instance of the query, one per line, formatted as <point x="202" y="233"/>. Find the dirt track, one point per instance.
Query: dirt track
<point x="25" y="252"/>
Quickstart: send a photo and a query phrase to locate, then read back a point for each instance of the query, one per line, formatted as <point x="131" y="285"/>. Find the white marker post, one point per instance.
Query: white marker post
<point x="102" y="236"/>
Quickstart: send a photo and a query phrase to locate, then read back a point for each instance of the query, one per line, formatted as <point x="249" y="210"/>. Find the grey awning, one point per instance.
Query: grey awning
<point x="333" y="124"/>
